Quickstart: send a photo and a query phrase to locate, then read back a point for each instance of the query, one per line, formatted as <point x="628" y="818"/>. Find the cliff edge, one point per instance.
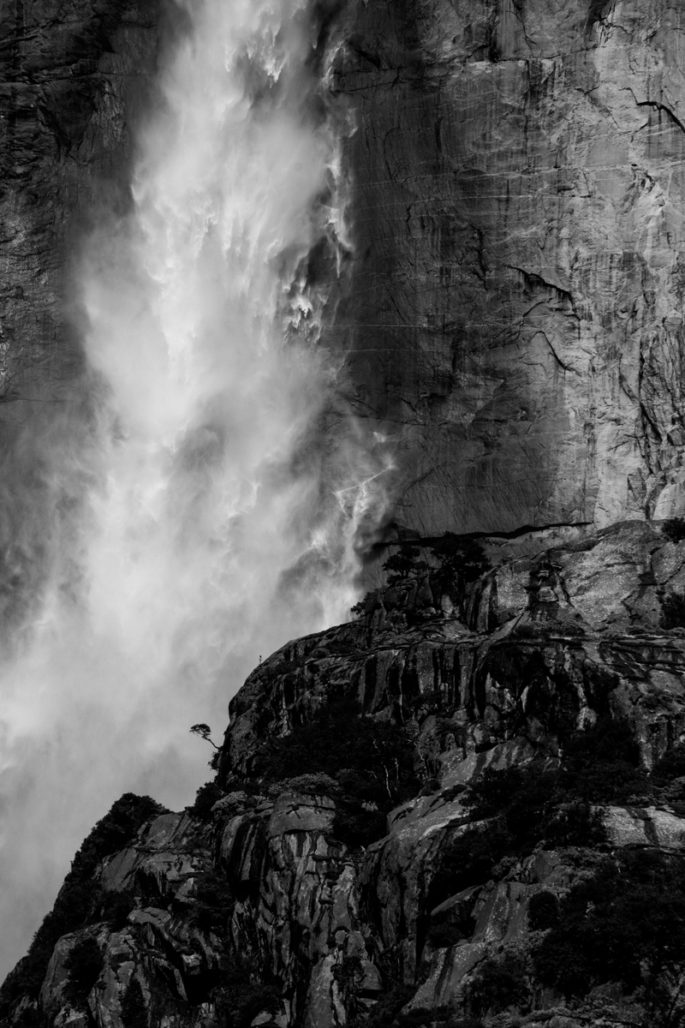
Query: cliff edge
<point x="464" y="808"/>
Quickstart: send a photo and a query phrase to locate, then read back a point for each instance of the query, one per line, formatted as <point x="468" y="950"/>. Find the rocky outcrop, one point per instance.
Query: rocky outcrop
<point x="516" y="316"/>
<point x="538" y="695"/>
<point x="420" y="817"/>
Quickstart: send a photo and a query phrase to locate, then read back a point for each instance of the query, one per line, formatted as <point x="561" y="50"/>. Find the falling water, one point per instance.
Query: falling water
<point x="211" y="522"/>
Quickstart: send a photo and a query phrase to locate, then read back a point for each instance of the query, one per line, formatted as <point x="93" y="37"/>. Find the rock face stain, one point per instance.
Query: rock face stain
<point x="257" y="904"/>
<point x="516" y="315"/>
<point x="514" y="326"/>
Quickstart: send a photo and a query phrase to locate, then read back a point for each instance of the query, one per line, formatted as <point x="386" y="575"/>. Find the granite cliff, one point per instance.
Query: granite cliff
<point x="466" y="806"/>
<point x="516" y="318"/>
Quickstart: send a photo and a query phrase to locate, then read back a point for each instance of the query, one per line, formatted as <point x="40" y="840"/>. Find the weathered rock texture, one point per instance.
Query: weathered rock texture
<point x="256" y="907"/>
<point x="73" y="77"/>
<point x="515" y="328"/>
<point x="516" y="317"/>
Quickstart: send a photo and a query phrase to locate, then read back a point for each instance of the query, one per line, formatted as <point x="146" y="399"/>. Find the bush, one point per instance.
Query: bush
<point x="133" y="1006"/>
<point x="574" y="823"/>
<point x="498" y="983"/>
<point x="602" y="763"/>
<point x="207" y="795"/>
<point x="443" y="934"/>
<point x="370" y="761"/>
<point x="469" y="859"/>
<point x="405" y="562"/>
<point x="240" y="998"/>
<point x="671" y="765"/>
<point x="78" y="898"/>
<point x="84" y="964"/>
<point x="674" y="529"/>
<point x="28" y="1018"/>
<point x="385" y="1012"/>
<point x="460" y="556"/>
<point x="213" y="902"/>
<point x="530" y="805"/>
<point x="543" y="911"/>
<point x="625" y="924"/>
<point x="537" y="805"/>
<point x="115" y="907"/>
<point x="673" y="611"/>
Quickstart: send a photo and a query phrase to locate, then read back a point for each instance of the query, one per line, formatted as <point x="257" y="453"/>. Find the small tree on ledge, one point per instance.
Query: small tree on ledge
<point x="204" y="731"/>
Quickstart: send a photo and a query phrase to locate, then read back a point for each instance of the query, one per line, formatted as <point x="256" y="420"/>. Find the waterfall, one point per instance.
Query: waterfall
<point x="211" y="518"/>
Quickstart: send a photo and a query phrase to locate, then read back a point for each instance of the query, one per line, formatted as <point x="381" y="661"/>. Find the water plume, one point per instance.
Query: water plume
<point x="208" y="519"/>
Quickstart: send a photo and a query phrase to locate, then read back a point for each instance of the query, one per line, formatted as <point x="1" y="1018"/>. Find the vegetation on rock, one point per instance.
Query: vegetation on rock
<point x="133" y="1006"/>
<point x="626" y="924"/>
<point x="83" y="965"/>
<point x="499" y="982"/>
<point x="673" y="610"/>
<point x="370" y="760"/>
<point x="526" y="806"/>
<point x="674" y="529"/>
<point x="79" y="898"/>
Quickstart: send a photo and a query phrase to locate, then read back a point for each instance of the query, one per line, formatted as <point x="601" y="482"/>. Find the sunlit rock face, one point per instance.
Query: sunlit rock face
<point x="263" y="905"/>
<point x="517" y="308"/>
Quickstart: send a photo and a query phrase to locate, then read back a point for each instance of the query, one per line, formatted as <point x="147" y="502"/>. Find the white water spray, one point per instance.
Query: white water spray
<point x="211" y="525"/>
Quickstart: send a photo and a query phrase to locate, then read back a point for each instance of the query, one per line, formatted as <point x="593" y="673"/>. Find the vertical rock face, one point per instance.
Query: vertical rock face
<point x="515" y="314"/>
<point x="517" y="309"/>
<point x="446" y="843"/>
<point x="406" y="809"/>
<point x="73" y="76"/>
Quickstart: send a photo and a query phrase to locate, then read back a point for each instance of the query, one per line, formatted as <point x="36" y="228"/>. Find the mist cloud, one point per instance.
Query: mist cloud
<point x="195" y="517"/>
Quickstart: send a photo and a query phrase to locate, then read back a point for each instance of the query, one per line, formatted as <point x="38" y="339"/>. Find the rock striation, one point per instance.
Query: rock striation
<point x="410" y="810"/>
<point x="467" y="806"/>
<point x="513" y="323"/>
<point x="516" y="316"/>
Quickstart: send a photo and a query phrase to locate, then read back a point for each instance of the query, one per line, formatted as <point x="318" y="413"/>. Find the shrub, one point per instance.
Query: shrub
<point x="28" y="1018"/>
<point x="574" y="824"/>
<point x="405" y="562"/>
<point x="597" y="10"/>
<point x="349" y="974"/>
<point x="498" y="983"/>
<point x="442" y="934"/>
<point x="240" y="998"/>
<point x="78" y="897"/>
<point x="537" y="805"/>
<point x="387" y="1014"/>
<point x="213" y="901"/>
<point x="115" y="907"/>
<point x="625" y="924"/>
<point x="469" y="859"/>
<point x="543" y="910"/>
<point x="207" y="795"/>
<point x="601" y="764"/>
<point x="674" y="529"/>
<point x="371" y="762"/>
<point x="673" y="610"/>
<point x="460" y="556"/>
<point x="133" y="1006"/>
<point x="671" y="765"/>
<point x="532" y="804"/>
<point x="84" y="964"/>
<point x="386" y="1010"/>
